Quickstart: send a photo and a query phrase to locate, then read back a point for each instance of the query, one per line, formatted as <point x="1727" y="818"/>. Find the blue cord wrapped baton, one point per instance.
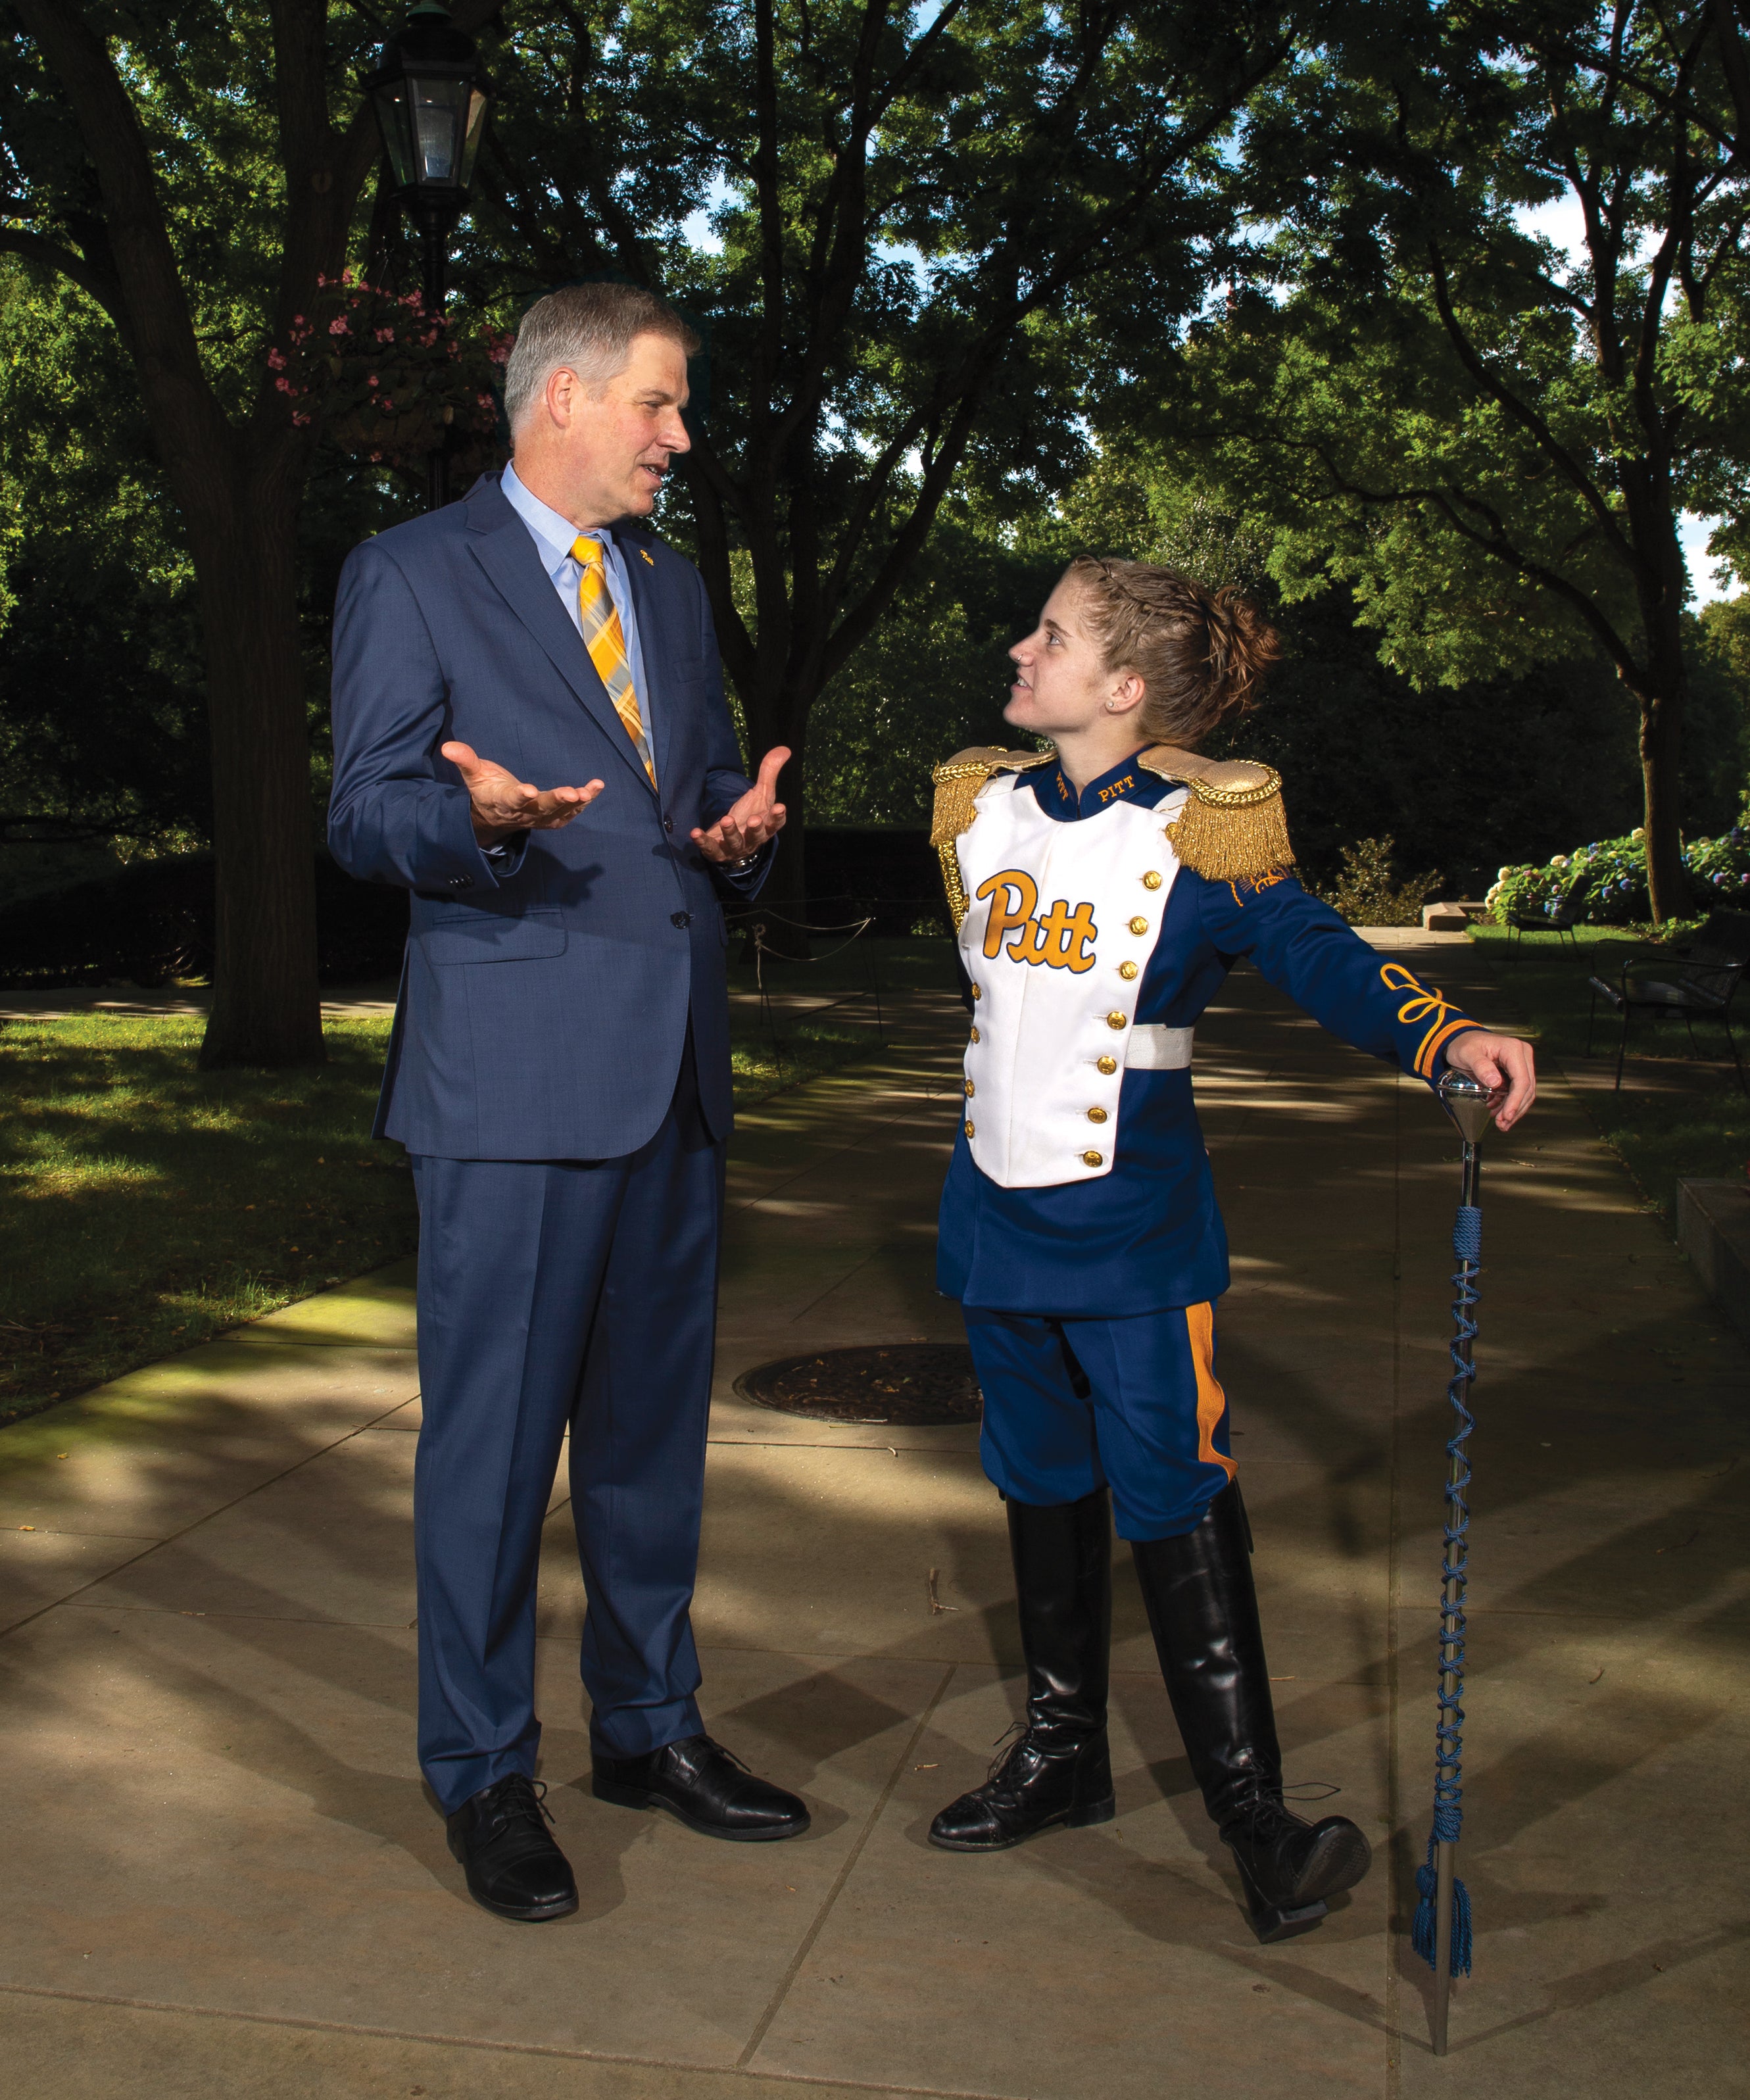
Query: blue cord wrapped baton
<point x="1441" y="1933"/>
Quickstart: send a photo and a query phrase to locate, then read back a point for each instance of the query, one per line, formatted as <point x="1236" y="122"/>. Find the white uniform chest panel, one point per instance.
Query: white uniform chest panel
<point x="1062" y="921"/>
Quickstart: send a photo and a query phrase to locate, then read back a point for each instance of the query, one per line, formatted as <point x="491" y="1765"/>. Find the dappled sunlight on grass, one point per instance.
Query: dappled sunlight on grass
<point x="146" y="1206"/>
<point x="149" y="1205"/>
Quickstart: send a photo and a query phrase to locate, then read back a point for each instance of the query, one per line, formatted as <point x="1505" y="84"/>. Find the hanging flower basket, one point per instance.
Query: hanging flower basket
<point x="386" y="381"/>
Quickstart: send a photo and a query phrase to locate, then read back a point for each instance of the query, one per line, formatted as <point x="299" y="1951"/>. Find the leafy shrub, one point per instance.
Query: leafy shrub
<point x="1367" y="891"/>
<point x="1719" y="873"/>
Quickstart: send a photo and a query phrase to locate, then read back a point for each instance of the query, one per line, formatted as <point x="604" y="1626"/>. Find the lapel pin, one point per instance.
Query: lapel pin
<point x="647" y="556"/>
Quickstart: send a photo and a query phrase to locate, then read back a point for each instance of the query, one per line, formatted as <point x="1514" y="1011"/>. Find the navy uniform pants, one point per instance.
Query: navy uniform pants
<point x="557" y="1295"/>
<point x="1133" y="1404"/>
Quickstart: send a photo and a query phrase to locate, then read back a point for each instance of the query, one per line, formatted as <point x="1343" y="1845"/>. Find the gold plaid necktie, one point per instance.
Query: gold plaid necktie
<point x="605" y="640"/>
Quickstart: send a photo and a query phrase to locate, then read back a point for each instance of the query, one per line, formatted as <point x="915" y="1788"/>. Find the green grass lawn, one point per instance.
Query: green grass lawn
<point x="149" y="1205"/>
<point x="1701" y="1127"/>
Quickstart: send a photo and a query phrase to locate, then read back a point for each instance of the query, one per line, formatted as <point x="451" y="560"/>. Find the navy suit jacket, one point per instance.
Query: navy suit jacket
<point x="547" y="994"/>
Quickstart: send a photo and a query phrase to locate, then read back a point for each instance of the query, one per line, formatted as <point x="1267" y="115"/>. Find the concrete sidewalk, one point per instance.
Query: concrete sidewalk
<point x="224" y="1878"/>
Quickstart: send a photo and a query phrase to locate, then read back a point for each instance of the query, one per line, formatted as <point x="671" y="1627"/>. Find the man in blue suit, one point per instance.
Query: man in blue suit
<point x="559" y="1070"/>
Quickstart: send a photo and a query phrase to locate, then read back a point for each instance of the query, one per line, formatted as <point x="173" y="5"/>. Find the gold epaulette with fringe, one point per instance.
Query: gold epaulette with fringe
<point x="1233" y="827"/>
<point x="956" y="782"/>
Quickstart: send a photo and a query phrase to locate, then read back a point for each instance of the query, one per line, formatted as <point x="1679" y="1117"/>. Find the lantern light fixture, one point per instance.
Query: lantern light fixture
<point x="429" y="93"/>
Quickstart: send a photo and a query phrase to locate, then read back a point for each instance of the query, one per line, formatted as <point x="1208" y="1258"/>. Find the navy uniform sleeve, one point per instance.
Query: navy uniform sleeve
<point x="1304" y="948"/>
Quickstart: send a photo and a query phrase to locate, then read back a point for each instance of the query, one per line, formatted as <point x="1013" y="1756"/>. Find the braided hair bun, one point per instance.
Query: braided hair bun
<point x="1201" y="655"/>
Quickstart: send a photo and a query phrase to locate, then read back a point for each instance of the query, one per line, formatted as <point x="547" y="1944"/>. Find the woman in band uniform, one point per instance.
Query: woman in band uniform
<point x="1102" y="889"/>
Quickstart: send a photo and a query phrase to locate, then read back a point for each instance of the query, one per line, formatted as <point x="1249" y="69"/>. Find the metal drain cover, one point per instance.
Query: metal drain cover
<point x="911" y="1384"/>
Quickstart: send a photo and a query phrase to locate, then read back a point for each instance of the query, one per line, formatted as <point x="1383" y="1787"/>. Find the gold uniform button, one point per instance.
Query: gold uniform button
<point x="1106" y="1064"/>
<point x="1117" y="1021"/>
<point x="975" y="1035"/>
<point x="1091" y="1159"/>
<point x="1126" y="970"/>
<point x="977" y="993"/>
<point x="1151" y="880"/>
<point x="969" y="1127"/>
<point x="1138" y="925"/>
<point x="970" y="1090"/>
<point x="1096" y="1115"/>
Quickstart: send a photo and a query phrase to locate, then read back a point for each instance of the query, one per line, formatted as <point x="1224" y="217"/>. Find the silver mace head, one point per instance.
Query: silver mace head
<point x="1466" y="1101"/>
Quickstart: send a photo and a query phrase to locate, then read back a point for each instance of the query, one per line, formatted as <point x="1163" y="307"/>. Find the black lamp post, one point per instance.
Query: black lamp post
<point x="430" y="92"/>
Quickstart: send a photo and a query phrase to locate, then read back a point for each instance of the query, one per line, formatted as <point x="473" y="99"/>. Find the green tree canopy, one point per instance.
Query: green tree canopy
<point x="912" y="214"/>
<point x="1489" y="441"/>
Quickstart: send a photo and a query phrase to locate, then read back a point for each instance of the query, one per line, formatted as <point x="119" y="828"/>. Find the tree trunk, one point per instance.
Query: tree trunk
<point x="1661" y="692"/>
<point x="1661" y="721"/>
<point x="775" y="717"/>
<point x="266" y="1008"/>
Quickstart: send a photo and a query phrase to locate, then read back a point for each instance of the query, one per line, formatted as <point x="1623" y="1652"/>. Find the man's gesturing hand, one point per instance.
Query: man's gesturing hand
<point x="1497" y="1062"/>
<point x="503" y="804"/>
<point x="757" y="818"/>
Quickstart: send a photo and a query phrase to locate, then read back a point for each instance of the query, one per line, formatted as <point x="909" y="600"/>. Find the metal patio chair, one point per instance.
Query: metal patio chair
<point x="1696" y="980"/>
<point x="1568" y="914"/>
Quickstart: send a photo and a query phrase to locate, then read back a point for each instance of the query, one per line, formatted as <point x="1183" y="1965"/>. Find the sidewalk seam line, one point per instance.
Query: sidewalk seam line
<point x="304" y="2023"/>
<point x="756" y="2040"/>
<point x="195" y="1523"/>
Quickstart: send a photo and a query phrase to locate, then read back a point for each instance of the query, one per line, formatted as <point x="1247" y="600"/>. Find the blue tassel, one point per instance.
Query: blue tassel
<point x="1422" y="1927"/>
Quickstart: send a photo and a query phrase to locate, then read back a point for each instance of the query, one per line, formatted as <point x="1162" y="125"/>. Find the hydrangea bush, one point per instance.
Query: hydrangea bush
<point x="1719" y="873"/>
<point x="386" y="380"/>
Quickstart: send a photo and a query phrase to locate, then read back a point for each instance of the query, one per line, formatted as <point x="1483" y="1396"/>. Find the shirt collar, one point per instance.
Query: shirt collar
<point x="1124" y="783"/>
<point x="553" y="535"/>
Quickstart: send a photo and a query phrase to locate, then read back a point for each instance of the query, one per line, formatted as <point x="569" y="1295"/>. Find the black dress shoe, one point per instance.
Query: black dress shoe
<point x="706" y="1786"/>
<point x="514" y="1869"/>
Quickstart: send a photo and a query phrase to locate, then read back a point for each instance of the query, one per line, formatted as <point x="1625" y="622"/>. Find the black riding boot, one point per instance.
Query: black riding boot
<point x="1060" y="1771"/>
<point x="1203" y="1611"/>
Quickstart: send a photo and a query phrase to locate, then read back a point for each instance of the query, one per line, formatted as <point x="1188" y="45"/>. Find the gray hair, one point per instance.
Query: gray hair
<point x="588" y="329"/>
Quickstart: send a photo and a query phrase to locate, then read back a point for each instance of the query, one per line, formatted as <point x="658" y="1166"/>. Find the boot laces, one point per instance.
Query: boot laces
<point x="1263" y="1817"/>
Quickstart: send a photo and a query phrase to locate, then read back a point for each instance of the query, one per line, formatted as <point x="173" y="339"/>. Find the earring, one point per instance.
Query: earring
<point x="1112" y="707"/>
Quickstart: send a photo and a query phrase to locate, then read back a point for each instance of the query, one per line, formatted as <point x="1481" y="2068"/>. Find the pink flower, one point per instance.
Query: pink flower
<point x="385" y="335"/>
<point x="387" y="406"/>
<point x="371" y="379"/>
<point x="298" y="415"/>
<point x="282" y="385"/>
<point x="338" y="326"/>
<point x="276" y="359"/>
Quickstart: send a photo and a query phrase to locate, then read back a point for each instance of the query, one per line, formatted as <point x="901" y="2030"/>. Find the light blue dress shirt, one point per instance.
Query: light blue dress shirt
<point x="553" y="537"/>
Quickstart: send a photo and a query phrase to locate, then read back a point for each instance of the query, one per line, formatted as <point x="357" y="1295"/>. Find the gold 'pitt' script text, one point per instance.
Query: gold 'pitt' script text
<point x="1063" y="939"/>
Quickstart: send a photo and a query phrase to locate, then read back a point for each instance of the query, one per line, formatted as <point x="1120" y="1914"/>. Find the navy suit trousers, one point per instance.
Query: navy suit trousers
<point x="557" y="1294"/>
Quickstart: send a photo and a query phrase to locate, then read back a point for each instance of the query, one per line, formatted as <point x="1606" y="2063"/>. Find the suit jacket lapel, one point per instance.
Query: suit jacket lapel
<point x="504" y="549"/>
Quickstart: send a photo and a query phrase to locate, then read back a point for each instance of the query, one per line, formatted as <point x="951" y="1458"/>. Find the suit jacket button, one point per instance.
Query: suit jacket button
<point x="667" y="823"/>
<point x="680" y="918"/>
